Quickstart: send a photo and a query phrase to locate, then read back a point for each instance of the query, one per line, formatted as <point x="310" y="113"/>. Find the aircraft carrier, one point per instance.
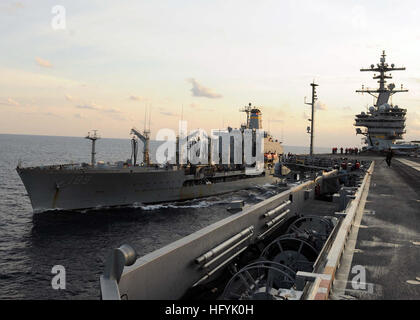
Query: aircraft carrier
<point x="99" y="184"/>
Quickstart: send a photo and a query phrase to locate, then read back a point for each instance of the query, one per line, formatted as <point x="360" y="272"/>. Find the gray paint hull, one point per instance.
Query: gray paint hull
<point x="50" y="189"/>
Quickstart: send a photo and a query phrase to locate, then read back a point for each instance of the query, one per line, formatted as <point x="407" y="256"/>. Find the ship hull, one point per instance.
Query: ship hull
<point x="52" y="189"/>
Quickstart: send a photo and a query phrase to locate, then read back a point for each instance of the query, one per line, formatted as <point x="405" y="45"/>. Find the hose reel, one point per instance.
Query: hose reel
<point x="292" y="251"/>
<point x="273" y="276"/>
<point x="317" y="229"/>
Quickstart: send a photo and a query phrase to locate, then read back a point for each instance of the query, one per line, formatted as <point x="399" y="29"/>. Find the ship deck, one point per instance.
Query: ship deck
<point x="386" y="239"/>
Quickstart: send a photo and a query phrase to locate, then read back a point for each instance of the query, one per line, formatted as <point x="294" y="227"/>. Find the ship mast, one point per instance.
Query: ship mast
<point x="383" y="93"/>
<point x="312" y="104"/>
<point x="145" y="137"/>
<point x="93" y="137"/>
<point x="247" y="109"/>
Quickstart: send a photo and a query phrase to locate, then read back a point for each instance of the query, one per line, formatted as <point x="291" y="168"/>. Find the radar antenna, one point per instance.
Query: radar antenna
<point x="247" y="109"/>
<point x="383" y="93"/>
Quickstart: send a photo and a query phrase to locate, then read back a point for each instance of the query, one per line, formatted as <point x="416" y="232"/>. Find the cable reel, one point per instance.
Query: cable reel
<point x="317" y="228"/>
<point x="261" y="280"/>
<point x="291" y="251"/>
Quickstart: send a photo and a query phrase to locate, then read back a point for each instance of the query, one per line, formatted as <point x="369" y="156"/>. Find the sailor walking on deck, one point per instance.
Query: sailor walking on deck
<point x="389" y="156"/>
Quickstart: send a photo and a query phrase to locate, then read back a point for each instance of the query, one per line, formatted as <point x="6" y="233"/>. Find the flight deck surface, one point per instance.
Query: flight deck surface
<point x="386" y="240"/>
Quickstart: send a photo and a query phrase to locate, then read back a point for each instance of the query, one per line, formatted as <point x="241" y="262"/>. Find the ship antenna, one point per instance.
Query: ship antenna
<point x="150" y="116"/>
<point x="312" y="104"/>
<point x="182" y="112"/>
<point x="282" y="132"/>
<point x="382" y="94"/>
<point x="145" y="117"/>
<point x="145" y="137"/>
<point x="247" y="109"/>
<point x="93" y="137"/>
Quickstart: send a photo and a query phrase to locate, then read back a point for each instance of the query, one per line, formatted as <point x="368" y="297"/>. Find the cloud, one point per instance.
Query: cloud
<point x="135" y="98"/>
<point x="90" y="106"/>
<point x="110" y="110"/>
<point x="320" y="105"/>
<point x="96" y="107"/>
<point x="69" y="97"/>
<point x="78" y="116"/>
<point x="200" y="91"/>
<point x="43" y="63"/>
<point x="47" y="114"/>
<point x="169" y="114"/>
<point x="10" y="102"/>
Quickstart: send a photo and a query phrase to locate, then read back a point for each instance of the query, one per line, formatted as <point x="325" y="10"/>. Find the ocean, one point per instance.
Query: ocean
<point x="31" y="244"/>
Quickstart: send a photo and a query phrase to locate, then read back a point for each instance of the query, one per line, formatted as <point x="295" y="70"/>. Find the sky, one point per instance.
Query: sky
<point x="202" y="61"/>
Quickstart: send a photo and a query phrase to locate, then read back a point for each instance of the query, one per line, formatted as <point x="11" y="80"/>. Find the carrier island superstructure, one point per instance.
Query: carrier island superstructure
<point x="84" y="186"/>
<point x="384" y="121"/>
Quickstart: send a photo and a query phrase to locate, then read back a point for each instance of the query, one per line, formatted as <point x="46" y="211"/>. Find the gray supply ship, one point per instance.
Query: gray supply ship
<point x="84" y="186"/>
<point x="384" y="122"/>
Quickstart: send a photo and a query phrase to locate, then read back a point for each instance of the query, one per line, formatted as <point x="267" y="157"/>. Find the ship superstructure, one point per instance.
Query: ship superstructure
<point x="384" y="122"/>
<point x="272" y="147"/>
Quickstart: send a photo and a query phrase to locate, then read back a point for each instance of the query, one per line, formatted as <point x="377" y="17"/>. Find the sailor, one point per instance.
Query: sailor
<point x="341" y="149"/>
<point x="389" y="156"/>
